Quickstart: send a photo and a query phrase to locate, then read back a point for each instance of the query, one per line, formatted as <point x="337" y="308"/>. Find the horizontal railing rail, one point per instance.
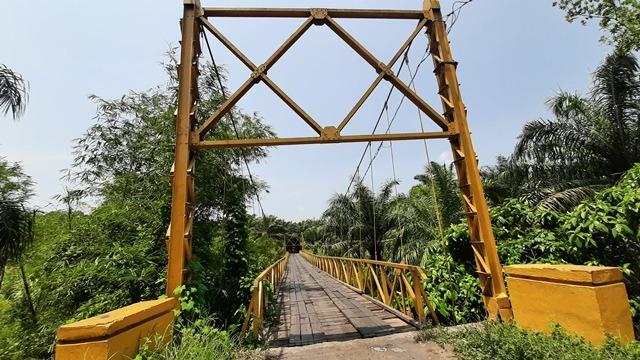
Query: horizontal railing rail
<point x="398" y="286"/>
<point x="259" y="296"/>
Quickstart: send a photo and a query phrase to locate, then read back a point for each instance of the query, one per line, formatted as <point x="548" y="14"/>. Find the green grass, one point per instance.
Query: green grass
<point x="497" y="341"/>
<point x="199" y="341"/>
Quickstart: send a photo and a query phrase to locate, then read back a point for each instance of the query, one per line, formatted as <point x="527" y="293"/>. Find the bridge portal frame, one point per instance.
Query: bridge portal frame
<point x="453" y="122"/>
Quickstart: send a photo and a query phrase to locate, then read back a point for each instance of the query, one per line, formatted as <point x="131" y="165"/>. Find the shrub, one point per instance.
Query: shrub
<point x="498" y="341"/>
<point x="604" y="230"/>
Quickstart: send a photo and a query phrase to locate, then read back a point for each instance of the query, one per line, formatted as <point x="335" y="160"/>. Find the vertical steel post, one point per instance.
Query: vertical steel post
<point x="179" y="243"/>
<point x="483" y="243"/>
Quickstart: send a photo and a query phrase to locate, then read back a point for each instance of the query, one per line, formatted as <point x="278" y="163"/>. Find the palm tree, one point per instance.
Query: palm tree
<point x="14" y="92"/>
<point x="358" y="222"/>
<point x="422" y="215"/>
<point x="71" y="198"/>
<point x="442" y="180"/>
<point x="270" y="226"/>
<point x="592" y="141"/>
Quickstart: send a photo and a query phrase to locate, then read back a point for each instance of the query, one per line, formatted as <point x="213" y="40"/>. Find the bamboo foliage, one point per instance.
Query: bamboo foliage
<point x="254" y="316"/>
<point x="398" y="286"/>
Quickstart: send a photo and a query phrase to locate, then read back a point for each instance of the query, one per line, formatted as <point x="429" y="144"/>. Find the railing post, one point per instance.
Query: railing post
<point x="250" y="309"/>
<point x="418" y="290"/>
<point x="259" y="299"/>
<point x="385" y="287"/>
<point x="257" y="322"/>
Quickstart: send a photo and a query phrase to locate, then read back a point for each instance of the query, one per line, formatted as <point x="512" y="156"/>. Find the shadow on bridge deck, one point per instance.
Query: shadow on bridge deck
<point x="315" y="308"/>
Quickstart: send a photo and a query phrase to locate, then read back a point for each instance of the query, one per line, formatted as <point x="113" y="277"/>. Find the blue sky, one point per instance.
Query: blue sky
<point x="513" y="55"/>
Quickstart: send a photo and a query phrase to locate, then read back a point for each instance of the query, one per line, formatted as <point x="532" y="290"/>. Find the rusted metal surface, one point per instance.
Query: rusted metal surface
<point x="259" y="73"/>
<point x="336" y="138"/>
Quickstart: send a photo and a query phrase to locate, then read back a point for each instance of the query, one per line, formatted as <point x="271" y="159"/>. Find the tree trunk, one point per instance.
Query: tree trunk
<point x="27" y="292"/>
<point x="2" y="266"/>
<point x="69" y="214"/>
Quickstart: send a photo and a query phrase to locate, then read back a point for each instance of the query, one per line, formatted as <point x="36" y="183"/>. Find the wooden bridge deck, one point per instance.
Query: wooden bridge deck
<point x="314" y="308"/>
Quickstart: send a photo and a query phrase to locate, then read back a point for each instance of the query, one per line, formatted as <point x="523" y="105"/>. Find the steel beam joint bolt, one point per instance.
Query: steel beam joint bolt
<point x="383" y="68"/>
<point x="319" y="16"/>
<point x="330" y="133"/>
<point x="256" y="75"/>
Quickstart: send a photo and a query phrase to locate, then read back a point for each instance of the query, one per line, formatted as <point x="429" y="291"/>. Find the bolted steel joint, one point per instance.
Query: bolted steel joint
<point x="319" y="16"/>
<point x="453" y="127"/>
<point x="258" y="72"/>
<point x="330" y="133"/>
<point x="388" y="72"/>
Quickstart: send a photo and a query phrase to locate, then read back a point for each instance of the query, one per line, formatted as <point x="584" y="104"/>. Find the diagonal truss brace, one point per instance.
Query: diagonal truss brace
<point x="328" y="134"/>
<point x="386" y="70"/>
<point x="259" y="73"/>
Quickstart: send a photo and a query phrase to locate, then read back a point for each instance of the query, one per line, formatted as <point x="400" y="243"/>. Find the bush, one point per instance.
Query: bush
<point x="452" y="289"/>
<point x="499" y="341"/>
<point x="604" y="230"/>
<point x="200" y="340"/>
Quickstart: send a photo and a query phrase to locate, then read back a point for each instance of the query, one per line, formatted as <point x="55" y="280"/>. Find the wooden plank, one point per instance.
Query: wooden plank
<point x="318" y="308"/>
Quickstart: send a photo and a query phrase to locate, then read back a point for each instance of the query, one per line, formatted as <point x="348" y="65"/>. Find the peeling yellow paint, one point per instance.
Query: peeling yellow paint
<point x="117" y="334"/>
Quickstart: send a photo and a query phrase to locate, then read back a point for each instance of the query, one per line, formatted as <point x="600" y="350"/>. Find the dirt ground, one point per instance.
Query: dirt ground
<point x="390" y="347"/>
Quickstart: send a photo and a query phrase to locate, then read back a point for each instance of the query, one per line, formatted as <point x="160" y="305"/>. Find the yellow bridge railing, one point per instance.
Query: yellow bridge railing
<point x="398" y="286"/>
<point x="259" y="296"/>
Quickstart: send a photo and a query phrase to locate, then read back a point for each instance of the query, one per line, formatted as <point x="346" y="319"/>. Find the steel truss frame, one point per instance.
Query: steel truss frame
<point x="453" y="123"/>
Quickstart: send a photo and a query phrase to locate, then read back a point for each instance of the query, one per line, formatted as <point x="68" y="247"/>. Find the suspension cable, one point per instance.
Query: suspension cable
<point x="455" y="14"/>
<point x="397" y="110"/>
<point x="373" y="210"/>
<point x="375" y="127"/>
<point x="233" y="121"/>
<point x="395" y="184"/>
<point x="429" y="167"/>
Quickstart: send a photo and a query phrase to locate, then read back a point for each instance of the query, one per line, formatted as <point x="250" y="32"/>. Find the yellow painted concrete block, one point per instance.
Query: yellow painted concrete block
<point x="117" y="334"/>
<point x="589" y="301"/>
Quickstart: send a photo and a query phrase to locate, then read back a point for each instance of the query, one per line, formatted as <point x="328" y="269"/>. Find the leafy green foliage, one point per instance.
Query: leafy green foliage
<point x="116" y="254"/>
<point x="421" y="216"/>
<point x="235" y="255"/>
<point x="15" y="185"/>
<point x="602" y="231"/>
<point x="452" y="289"/>
<point x="388" y="225"/>
<point x="497" y="341"/>
<point x="15" y="219"/>
<point x="356" y="223"/>
<point x="591" y="142"/>
<point x="618" y="18"/>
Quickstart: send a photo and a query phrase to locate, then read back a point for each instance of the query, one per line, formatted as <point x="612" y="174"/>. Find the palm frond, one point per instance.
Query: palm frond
<point x="543" y="141"/>
<point x="14" y="92"/>
<point x="568" y="106"/>
<point x="567" y="199"/>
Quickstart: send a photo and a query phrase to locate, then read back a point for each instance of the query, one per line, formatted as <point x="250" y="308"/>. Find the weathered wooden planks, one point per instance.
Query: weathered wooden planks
<point x="317" y="308"/>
